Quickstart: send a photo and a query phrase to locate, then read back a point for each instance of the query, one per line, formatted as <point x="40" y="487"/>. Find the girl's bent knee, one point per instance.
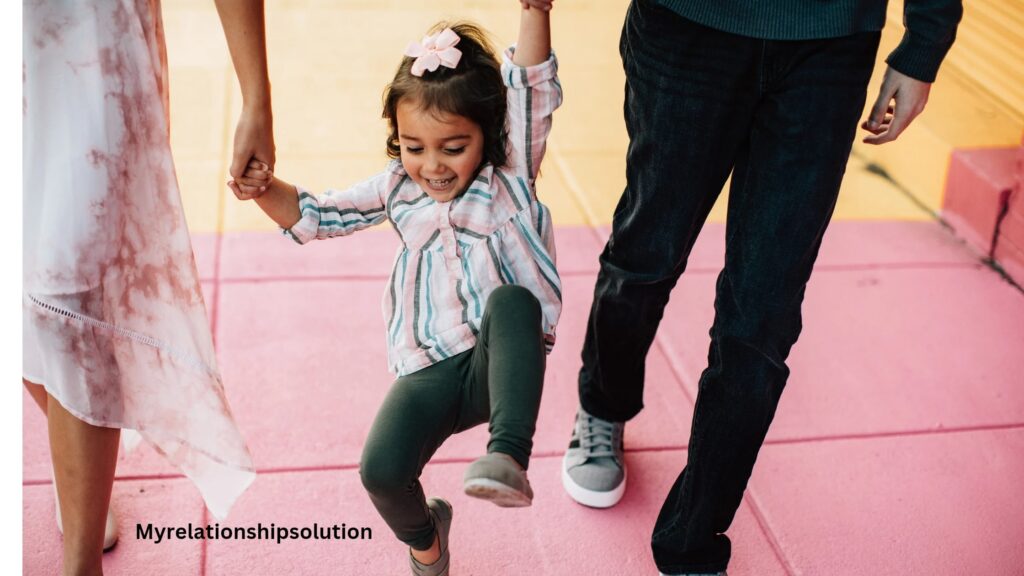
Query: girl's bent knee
<point x="511" y="296"/>
<point x="382" y="477"/>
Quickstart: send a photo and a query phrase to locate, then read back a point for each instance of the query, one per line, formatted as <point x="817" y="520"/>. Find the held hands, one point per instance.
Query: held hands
<point x="254" y="141"/>
<point x="257" y="176"/>
<point x="276" y="198"/>
<point x="886" y="121"/>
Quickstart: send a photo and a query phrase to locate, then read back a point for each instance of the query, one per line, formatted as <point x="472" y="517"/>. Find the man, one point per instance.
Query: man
<point x="771" y="92"/>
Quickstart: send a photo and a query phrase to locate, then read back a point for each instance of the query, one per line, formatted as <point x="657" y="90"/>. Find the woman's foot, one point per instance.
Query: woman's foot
<point x="110" y="529"/>
<point x="441" y="515"/>
<point x="498" y="478"/>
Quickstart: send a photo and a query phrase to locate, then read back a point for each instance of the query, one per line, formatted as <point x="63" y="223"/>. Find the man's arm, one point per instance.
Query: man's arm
<point x="931" y="28"/>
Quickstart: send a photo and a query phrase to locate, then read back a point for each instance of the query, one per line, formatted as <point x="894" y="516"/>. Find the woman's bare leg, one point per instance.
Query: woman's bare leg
<point x="84" y="458"/>
<point x="38" y="393"/>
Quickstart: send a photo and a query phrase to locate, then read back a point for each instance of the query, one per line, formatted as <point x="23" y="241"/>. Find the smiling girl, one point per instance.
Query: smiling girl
<point x="474" y="296"/>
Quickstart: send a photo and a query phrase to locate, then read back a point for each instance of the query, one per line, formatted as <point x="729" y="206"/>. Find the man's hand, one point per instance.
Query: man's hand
<point x="887" y="121"/>
<point x="544" y="5"/>
<point x="254" y="141"/>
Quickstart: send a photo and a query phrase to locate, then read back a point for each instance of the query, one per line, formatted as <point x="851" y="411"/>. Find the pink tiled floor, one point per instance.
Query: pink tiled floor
<point x="896" y="449"/>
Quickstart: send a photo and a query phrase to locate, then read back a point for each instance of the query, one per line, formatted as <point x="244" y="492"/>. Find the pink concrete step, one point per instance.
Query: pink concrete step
<point x="161" y="502"/>
<point x="554" y="537"/>
<point x="142" y="461"/>
<point x="903" y="393"/>
<point x="936" y="504"/>
<point x="882" y="351"/>
<point x="247" y="339"/>
<point x="268" y="255"/>
<point x="977" y="190"/>
<point x="1009" y="251"/>
<point x="204" y="246"/>
<point x="1011" y="258"/>
<point x="306" y="375"/>
<point x="849" y="244"/>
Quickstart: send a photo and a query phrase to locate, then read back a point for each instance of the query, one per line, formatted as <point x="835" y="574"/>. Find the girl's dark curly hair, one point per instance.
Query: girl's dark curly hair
<point x="473" y="89"/>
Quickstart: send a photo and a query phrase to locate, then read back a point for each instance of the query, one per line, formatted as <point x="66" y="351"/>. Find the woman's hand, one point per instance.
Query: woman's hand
<point x="254" y="141"/>
<point x="257" y="176"/>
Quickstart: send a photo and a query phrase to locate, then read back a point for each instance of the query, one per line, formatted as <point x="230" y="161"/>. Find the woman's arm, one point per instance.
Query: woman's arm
<point x="243" y="24"/>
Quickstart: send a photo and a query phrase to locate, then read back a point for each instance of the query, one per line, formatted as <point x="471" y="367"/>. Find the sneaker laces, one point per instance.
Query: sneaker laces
<point x="597" y="437"/>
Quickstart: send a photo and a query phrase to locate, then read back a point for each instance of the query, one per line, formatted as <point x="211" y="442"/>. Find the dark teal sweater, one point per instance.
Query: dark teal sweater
<point x="930" y="24"/>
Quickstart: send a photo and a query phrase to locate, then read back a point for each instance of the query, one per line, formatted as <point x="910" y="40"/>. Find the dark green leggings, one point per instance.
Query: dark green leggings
<point x="499" y="380"/>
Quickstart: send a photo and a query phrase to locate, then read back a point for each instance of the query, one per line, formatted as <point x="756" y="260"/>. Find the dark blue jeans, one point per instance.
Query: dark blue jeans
<point x="781" y="116"/>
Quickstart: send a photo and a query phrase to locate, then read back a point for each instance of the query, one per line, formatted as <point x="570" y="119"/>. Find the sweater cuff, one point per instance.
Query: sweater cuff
<point x="306" y="228"/>
<point x="918" y="59"/>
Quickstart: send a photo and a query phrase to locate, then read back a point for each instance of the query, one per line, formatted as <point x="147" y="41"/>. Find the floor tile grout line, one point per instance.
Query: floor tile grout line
<point x="698" y="271"/>
<point x="895" y="434"/>
<point x="217" y="253"/>
<point x="131" y="478"/>
<point x="666" y="350"/>
<point x="898" y="266"/>
<point x="769" y="534"/>
<point x="215" y="294"/>
<point x="219" y="239"/>
<point x="558" y="453"/>
<point x="340" y="278"/>
<point x="575" y="190"/>
<point x="204" y="546"/>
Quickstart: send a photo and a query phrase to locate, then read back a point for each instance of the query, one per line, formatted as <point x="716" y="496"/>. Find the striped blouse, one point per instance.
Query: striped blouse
<point x="455" y="253"/>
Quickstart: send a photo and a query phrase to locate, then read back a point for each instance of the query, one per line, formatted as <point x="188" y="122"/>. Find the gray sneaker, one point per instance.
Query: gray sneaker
<point x="593" y="468"/>
<point x="441" y="514"/>
<point x="499" y="478"/>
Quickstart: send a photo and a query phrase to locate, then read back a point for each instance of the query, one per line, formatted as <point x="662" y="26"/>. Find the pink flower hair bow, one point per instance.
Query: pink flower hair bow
<point x="435" y="50"/>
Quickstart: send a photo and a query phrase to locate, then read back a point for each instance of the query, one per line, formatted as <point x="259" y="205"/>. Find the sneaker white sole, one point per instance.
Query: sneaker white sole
<point x="496" y="492"/>
<point x="592" y="498"/>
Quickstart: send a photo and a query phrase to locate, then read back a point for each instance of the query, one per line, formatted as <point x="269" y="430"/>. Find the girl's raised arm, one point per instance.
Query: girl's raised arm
<point x="534" y="45"/>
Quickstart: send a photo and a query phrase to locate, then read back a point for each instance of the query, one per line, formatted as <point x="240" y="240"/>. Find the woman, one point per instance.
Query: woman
<point x="115" y="328"/>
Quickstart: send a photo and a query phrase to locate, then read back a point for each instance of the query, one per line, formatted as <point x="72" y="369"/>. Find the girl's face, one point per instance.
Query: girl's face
<point x="441" y="152"/>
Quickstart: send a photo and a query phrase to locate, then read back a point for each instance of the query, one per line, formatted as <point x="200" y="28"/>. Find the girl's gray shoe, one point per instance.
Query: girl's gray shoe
<point x="441" y="514"/>
<point x="498" y="478"/>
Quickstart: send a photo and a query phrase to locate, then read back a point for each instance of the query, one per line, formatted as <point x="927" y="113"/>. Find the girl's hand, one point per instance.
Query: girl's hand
<point x="256" y="177"/>
<point x="544" y="5"/>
